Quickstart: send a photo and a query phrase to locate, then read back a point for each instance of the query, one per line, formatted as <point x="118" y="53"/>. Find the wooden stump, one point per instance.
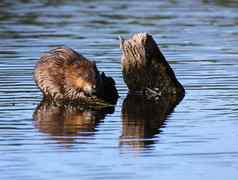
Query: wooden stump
<point x="145" y="69"/>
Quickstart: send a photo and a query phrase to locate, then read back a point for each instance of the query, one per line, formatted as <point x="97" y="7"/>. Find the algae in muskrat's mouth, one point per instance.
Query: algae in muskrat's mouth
<point x="91" y="102"/>
<point x="94" y="103"/>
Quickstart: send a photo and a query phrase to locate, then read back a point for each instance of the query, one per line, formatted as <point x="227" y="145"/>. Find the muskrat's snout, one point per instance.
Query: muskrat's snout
<point x="90" y="89"/>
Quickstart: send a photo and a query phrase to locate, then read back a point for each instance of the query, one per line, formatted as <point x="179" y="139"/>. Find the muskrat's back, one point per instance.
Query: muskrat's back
<point x="63" y="74"/>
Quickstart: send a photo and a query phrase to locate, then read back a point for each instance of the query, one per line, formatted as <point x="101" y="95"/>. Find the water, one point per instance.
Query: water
<point x="198" y="140"/>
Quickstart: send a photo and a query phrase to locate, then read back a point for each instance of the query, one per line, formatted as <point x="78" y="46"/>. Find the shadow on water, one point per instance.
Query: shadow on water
<point x="142" y="119"/>
<point x="66" y="123"/>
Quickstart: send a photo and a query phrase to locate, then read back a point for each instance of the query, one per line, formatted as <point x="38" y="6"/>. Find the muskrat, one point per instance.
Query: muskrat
<point x="62" y="74"/>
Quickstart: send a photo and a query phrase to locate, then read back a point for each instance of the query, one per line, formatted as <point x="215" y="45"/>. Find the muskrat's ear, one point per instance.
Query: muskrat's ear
<point x="107" y="80"/>
<point x="111" y="81"/>
<point x="103" y="75"/>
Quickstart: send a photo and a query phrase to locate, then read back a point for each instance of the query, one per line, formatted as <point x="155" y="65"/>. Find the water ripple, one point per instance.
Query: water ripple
<point x="197" y="140"/>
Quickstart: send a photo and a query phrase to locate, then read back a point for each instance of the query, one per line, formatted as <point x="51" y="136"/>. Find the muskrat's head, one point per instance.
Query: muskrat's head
<point x="83" y="76"/>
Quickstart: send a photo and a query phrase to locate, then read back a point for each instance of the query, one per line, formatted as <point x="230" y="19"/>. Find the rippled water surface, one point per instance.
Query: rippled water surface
<point x="198" y="140"/>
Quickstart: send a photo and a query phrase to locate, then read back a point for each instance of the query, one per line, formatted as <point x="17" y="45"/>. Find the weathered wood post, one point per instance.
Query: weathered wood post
<point x="145" y="69"/>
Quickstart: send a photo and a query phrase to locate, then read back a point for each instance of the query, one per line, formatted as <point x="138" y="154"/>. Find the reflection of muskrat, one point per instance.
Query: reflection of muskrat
<point x="68" y="121"/>
<point x="64" y="75"/>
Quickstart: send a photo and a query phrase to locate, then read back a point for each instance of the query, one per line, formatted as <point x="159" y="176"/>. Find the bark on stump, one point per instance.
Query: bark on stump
<point x="145" y="69"/>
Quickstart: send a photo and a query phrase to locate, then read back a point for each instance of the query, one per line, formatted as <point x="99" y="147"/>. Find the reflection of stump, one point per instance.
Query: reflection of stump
<point x="68" y="122"/>
<point x="145" y="69"/>
<point x="142" y="119"/>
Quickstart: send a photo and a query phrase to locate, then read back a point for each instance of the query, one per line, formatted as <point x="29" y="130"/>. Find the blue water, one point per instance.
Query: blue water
<point x="198" y="140"/>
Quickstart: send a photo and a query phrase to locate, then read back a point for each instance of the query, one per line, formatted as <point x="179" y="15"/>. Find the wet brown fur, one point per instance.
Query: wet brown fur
<point x="64" y="75"/>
